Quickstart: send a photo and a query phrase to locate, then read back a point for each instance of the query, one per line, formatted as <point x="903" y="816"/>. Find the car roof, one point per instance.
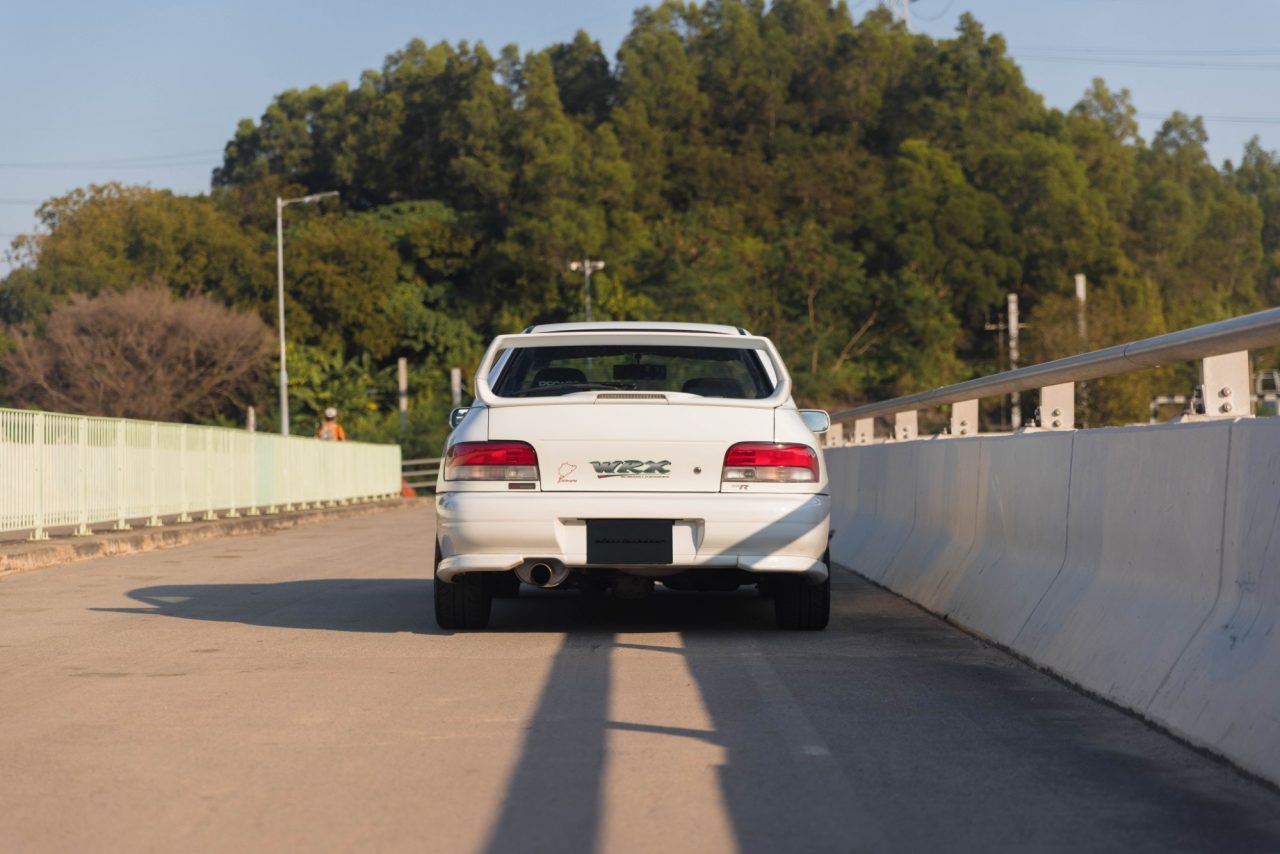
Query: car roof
<point x="638" y="326"/>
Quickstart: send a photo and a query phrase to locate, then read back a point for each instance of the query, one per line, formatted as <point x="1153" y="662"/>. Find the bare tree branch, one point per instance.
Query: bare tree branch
<point x="140" y="354"/>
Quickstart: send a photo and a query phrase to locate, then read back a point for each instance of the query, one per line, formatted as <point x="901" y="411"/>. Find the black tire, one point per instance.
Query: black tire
<point x="766" y="587"/>
<point x="462" y="603"/>
<point x="800" y="606"/>
<point x="503" y="585"/>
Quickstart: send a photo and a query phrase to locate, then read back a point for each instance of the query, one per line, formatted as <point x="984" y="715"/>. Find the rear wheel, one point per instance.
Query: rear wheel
<point x="462" y="603"/>
<point x="802" y="606"/>
<point x="503" y="585"/>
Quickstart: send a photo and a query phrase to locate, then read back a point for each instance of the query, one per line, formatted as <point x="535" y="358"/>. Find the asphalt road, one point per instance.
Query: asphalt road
<point x="289" y="691"/>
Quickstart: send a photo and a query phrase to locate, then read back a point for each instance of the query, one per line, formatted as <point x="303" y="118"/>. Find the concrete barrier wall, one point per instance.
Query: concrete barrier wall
<point x="1141" y="563"/>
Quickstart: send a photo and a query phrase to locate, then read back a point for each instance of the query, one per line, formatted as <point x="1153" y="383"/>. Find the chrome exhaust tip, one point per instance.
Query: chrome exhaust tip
<point x="543" y="574"/>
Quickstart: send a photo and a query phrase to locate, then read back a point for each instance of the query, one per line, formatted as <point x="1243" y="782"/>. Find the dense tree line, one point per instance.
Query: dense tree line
<point x="863" y="195"/>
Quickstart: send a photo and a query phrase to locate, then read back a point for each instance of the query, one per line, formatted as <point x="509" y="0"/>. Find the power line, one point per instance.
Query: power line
<point x="1025" y="56"/>
<point x="1242" y="120"/>
<point x="18" y="202"/>
<point x="188" y="158"/>
<point x="945" y="10"/>
<point x="1141" y="51"/>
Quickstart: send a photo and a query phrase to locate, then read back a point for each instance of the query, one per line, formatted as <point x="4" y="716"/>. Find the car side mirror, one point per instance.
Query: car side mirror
<point x="456" y="416"/>
<point x="817" y="420"/>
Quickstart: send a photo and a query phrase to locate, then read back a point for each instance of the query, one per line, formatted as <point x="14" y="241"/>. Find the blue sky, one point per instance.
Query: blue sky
<point x="91" y="86"/>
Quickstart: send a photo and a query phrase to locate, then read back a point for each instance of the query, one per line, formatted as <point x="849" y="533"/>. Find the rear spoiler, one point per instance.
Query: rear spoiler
<point x="505" y="343"/>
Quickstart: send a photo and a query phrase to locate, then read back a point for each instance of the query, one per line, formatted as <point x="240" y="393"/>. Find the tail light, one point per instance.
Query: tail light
<point x="768" y="462"/>
<point x="491" y="461"/>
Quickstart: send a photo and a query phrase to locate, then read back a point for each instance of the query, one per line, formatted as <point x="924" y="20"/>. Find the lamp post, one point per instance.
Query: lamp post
<point x="281" y="204"/>
<point x="586" y="267"/>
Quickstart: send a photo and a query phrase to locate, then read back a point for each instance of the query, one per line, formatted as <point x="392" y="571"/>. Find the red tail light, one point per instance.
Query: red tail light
<point x="491" y="461"/>
<point x="769" y="462"/>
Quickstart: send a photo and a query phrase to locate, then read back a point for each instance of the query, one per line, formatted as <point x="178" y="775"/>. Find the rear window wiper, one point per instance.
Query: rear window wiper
<point x="561" y="388"/>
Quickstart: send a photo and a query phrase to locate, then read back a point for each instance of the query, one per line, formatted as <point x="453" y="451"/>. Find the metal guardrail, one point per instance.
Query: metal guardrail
<point x="1223" y="348"/>
<point x="420" y="473"/>
<point x="74" y="470"/>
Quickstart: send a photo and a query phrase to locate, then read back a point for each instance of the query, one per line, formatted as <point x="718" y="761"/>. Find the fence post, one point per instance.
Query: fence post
<point x="183" y="508"/>
<point x="253" y="510"/>
<point x="121" y="524"/>
<point x="82" y="476"/>
<point x="38" y="442"/>
<point x="274" y="507"/>
<point x="154" y="521"/>
<point x="286" y="483"/>
<point x="231" y="464"/>
<point x="209" y="515"/>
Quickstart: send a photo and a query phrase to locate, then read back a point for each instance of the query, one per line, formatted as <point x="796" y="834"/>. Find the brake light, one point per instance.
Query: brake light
<point x="491" y="461"/>
<point x="769" y="462"/>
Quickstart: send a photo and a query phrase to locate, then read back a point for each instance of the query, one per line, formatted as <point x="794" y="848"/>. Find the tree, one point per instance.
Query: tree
<point x="583" y="77"/>
<point x="108" y="237"/>
<point x="141" y="353"/>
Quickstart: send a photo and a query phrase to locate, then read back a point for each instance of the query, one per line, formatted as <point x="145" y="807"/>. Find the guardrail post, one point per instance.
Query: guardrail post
<point x="184" y="515"/>
<point x="1224" y="383"/>
<point x="964" y="418"/>
<point x="121" y="524"/>
<point x="154" y="520"/>
<point x="864" y="431"/>
<point x="1058" y="406"/>
<point x="906" y="425"/>
<point x="82" y="477"/>
<point x="39" y="533"/>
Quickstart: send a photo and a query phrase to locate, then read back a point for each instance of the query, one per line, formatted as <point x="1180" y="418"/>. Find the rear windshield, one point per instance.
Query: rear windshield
<point x="705" y="371"/>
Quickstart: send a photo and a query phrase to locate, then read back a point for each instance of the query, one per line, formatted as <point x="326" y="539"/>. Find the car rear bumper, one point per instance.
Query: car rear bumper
<point x="494" y="531"/>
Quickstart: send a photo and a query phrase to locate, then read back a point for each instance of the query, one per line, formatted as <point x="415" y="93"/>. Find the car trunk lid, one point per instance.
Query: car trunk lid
<point x="631" y="442"/>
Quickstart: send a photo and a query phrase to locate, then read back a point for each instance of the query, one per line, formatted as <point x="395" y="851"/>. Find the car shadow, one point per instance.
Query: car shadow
<point x="389" y="605"/>
<point x="380" y="605"/>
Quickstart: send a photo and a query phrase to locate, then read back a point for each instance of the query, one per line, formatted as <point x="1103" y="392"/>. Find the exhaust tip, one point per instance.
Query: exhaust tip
<point x="543" y="574"/>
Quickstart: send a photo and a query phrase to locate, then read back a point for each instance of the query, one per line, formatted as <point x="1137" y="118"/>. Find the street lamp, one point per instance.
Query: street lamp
<point x="586" y="267"/>
<point x="281" y="204"/>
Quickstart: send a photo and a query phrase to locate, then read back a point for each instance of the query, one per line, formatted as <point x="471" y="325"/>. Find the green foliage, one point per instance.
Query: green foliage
<point x="111" y="238"/>
<point x="864" y="195"/>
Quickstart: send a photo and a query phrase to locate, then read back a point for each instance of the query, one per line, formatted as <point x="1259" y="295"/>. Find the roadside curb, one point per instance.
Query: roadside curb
<point x="26" y="557"/>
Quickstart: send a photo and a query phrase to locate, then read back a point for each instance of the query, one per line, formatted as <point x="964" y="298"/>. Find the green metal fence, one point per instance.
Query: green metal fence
<point x="72" y="470"/>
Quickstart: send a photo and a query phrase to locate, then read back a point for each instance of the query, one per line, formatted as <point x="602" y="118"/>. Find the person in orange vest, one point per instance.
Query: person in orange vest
<point x="330" y="430"/>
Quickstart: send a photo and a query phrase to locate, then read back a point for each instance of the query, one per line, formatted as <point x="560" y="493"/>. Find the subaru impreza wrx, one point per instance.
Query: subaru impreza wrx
<point x="607" y="457"/>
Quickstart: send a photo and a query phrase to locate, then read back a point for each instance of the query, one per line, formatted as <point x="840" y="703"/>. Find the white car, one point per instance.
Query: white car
<point x="608" y="456"/>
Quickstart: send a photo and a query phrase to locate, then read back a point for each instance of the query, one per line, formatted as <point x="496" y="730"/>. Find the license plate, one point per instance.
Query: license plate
<point x="628" y="541"/>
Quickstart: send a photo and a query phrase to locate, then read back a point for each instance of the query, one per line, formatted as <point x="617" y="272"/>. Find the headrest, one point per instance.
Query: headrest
<point x="558" y="376"/>
<point x="713" y="387"/>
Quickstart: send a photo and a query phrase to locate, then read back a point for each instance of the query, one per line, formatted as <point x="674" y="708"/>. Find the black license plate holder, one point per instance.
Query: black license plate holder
<point x="623" y="542"/>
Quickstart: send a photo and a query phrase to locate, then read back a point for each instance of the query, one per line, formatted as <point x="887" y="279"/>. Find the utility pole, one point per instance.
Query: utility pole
<point x="1015" y="399"/>
<point x="586" y="267"/>
<point x="281" y="204"/>
<point x="402" y="375"/>
<point x="901" y="10"/>
<point x="1082" y="333"/>
<point x="1011" y="325"/>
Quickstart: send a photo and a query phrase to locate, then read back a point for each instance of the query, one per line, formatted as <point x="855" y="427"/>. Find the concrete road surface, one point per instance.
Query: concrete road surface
<point x="290" y="691"/>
